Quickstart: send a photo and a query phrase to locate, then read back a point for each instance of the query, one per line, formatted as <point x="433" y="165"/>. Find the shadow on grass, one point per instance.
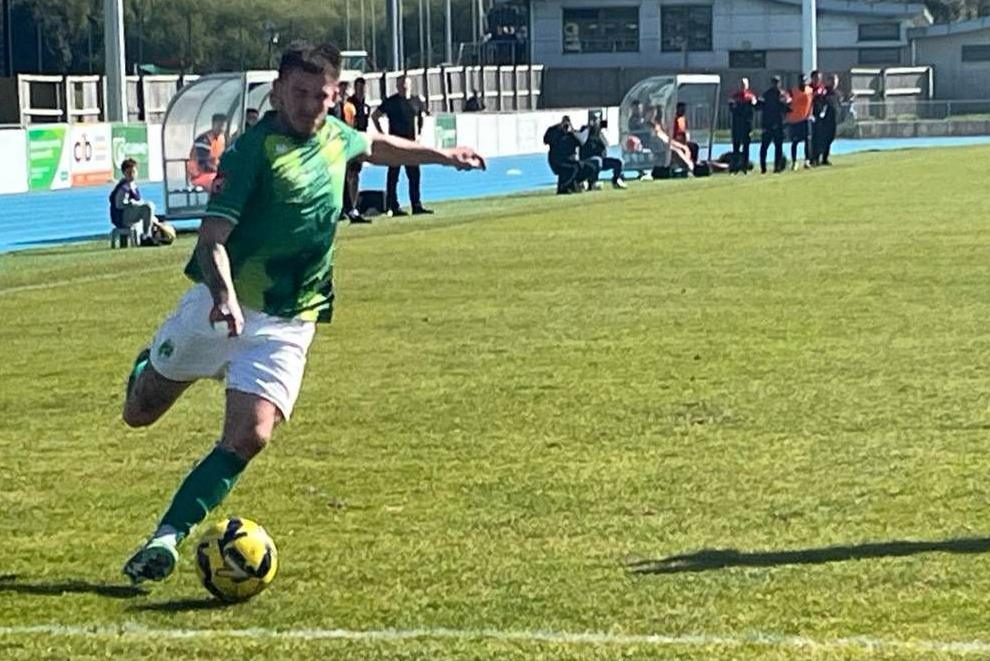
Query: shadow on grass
<point x="711" y="559"/>
<point x="59" y="587"/>
<point x="182" y="605"/>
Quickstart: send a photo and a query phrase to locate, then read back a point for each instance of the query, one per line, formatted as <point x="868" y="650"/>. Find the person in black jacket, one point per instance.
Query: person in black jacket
<point x="595" y="150"/>
<point x="827" y="108"/>
<point x="774" y="106"/>
<point x="563" y="143"/>
<point x="742" y="107"/>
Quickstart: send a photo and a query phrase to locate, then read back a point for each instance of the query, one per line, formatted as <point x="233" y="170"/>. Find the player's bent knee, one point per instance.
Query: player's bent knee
<point x="249" y="442"/>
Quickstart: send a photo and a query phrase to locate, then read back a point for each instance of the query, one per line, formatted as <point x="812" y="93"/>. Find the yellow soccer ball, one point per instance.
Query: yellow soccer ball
<point x="236" y="559"/>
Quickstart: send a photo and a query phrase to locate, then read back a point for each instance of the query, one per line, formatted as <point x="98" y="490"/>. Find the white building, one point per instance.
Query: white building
<point x="716" y="35"/>
<point x="960" y="55"/>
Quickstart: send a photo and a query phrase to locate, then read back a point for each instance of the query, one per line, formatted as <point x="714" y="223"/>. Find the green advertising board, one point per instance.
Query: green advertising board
<point x="48" y="158"/>
<point x="130" y="141"/>
<point x="446" y="131"/>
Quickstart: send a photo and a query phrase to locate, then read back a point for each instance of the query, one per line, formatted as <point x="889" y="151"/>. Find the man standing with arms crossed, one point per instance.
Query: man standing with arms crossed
<point x="263" y="268"/>
<point x="405" y="120"/>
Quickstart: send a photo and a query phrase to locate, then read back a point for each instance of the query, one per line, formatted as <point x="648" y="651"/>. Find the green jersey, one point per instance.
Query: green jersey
<point x="284" y="195"/>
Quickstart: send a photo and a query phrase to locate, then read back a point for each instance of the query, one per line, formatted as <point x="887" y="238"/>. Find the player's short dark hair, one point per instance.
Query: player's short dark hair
<point x="309" y="58"/>
<point x="127" y="164"/>
<point x="255" y="110"/>
<point x="816" y="72"/>
<point x="360" y="79"/>
<point x="219" y="117"/>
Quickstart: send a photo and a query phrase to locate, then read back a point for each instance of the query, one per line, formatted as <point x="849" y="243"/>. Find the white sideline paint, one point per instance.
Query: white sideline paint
<point x="90" y="278"/>
<point x="860" y="643"/>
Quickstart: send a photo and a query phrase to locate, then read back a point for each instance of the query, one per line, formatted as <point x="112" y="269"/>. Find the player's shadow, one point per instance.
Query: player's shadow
<point x="59" y="587"/>
<point x="712" y="559"/>
<point x="183" y="605"/>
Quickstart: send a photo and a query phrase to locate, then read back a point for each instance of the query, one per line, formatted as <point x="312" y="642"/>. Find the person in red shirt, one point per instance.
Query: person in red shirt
<point x="798" y="119"/>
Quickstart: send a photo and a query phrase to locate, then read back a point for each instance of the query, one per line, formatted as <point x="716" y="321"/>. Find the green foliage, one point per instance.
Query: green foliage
<point x="231" y="35"/>
<point x="521" y="396"/>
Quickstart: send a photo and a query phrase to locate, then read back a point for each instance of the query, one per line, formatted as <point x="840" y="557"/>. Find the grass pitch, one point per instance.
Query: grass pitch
<point x="747" y="415"/>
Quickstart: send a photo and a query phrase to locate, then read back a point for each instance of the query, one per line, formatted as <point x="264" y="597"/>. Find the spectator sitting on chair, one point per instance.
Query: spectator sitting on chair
<point x="126" y="206"/>
<point x="677" y="149"/>
<point x="563" y="143"/>
<point x="405" y="119"/>
<point x="595" y="149"/>
<point x="681" y="133"/>
<point x="205" y="155"/>
<point x="475" y="103"/>
<point x="251" y="117"/>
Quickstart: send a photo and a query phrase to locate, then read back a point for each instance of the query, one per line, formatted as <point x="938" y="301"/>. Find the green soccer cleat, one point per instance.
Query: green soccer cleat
<point x="154" y="562"/>
<point x="142" y="361"/>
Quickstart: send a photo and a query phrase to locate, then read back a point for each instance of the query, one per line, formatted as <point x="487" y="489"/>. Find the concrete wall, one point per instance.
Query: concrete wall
<point x="736" y="25"/>
<point x="955" y="79"/>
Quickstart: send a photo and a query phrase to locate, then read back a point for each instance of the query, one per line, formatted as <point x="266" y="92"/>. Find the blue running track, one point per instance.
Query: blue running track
<point x="34" y="219"/>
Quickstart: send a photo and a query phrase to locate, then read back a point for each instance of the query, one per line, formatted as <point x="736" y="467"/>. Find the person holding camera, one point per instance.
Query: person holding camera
<point x="595" y="150"/>
<point x="563" y="143"/>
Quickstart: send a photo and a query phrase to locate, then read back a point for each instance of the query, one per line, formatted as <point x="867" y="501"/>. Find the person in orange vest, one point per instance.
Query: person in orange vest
<point x="204" y="158"/>
<point x="798" y="121"/>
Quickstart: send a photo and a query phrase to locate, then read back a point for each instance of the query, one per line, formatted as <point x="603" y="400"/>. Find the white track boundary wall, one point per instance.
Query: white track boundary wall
<point x="515" y="134"/>
<point x="491" y="134"/>
<point x="13" y="161"/>
<point x="156" y="170"/>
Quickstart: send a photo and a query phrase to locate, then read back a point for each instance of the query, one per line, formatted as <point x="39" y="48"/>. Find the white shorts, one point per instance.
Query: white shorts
<point x="267" y="359"/>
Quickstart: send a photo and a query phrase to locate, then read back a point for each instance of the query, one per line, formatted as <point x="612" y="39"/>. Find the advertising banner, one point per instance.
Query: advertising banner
<point x="90" y="148"/>
<point x="49" y="160"/>
<point x="130" y="141"/>
<point x="446" y="131"/>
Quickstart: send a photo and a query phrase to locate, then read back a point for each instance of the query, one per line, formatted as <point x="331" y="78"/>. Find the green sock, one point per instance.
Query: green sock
<point x="203" y="489"/>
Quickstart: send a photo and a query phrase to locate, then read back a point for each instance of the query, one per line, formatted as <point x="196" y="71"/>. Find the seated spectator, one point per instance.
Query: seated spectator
<point x="251" y="117"/>
<point x="563" y="143"/>
<point x="681" y="133"/>
<point x="126" y="206"/>
<point x="475" y="103"/>
<point x="638" y="124"/>
<point x="678" y="151"/>
<point x="595" y="149"/>
<point x="206" y="151"/>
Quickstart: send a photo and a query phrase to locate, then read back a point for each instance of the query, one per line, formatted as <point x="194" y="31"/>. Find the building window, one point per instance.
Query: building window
<point x="685" y="26"/>
<point x="974" y="53"/>
<point x="880" y="32"/>
<point x="747" y="59"/>
<point x="874" y="56"/>
<point x="612" y="30"/>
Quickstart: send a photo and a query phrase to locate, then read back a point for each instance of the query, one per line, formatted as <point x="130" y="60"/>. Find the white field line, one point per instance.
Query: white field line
<point x="123" y="276"/>
<point x="859" y="643"/>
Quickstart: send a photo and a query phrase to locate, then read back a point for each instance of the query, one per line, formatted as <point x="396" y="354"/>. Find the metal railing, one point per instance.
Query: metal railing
<point x="446" y="89"/>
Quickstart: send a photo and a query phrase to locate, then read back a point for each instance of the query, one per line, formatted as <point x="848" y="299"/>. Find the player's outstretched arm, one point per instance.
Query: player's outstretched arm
<point x="214" y="263"/>
<point x="392" y="150"/>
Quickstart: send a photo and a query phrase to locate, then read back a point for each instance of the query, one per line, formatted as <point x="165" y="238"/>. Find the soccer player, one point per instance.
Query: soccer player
<point x="262" y="270"/>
